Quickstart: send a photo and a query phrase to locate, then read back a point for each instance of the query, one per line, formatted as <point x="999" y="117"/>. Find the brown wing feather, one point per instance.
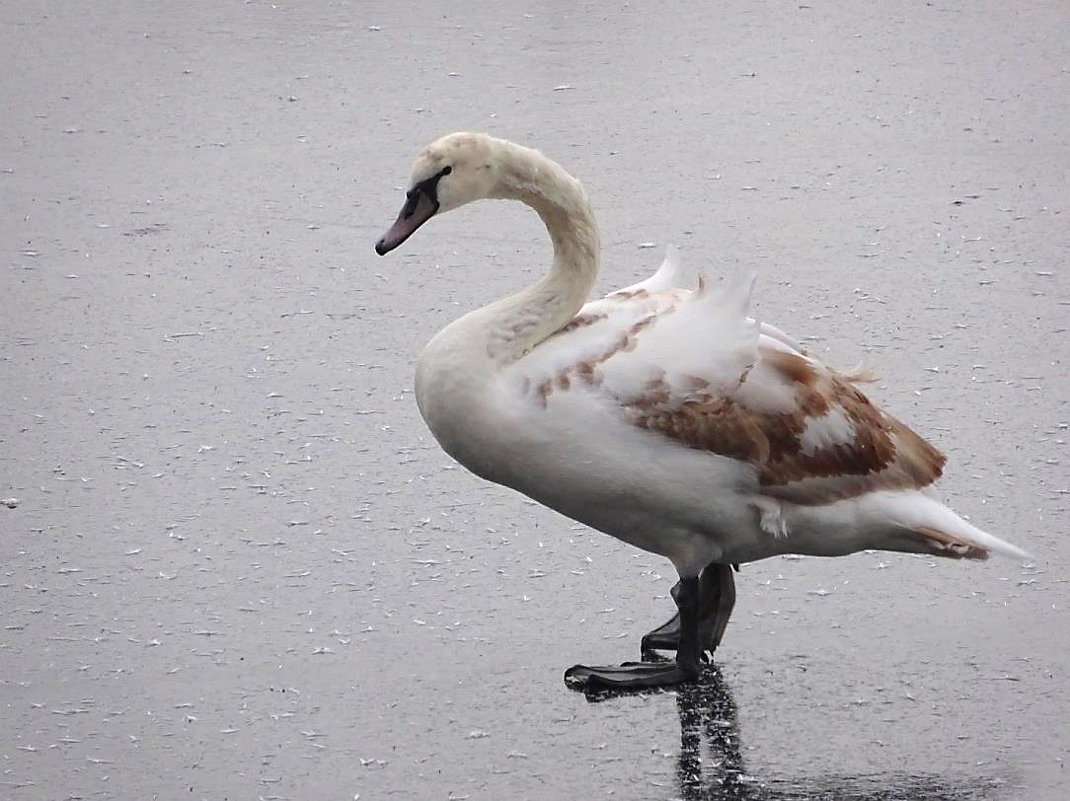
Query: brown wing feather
<point x="881" y="454"/>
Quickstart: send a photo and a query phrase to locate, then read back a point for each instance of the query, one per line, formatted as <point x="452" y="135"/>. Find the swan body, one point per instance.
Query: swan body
<point x="662" y="414"/>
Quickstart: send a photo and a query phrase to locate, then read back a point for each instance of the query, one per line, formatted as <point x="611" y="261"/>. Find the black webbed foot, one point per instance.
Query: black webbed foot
<point x="629" y="676"/>
<point x="652" y="675"/>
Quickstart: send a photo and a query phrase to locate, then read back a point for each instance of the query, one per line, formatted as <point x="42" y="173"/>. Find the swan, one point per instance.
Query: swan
<point x="662" y="414"/>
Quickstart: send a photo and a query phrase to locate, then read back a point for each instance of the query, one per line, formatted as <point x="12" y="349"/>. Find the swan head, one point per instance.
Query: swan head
<point x="448" y="173"/>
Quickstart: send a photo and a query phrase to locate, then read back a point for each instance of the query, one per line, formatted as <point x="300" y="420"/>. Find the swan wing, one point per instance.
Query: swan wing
<point x="693" y="369"/>
<point x="807" y="430"/>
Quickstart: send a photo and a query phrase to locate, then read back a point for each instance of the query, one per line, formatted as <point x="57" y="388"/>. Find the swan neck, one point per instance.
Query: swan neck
<point x="531" y="316"/>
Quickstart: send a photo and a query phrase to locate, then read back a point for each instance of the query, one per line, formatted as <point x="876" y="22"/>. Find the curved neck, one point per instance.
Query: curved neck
<point x="522" y="321"/>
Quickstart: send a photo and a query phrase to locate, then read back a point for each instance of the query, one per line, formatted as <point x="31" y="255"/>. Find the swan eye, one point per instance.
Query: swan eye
<point x="428" y="187"/>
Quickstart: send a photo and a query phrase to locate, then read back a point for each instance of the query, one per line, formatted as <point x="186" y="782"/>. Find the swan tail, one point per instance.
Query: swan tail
<point x="941" y="543"/>
<point x="935" y="529"/>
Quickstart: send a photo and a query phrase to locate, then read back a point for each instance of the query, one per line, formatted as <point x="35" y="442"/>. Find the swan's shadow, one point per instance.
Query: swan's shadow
<point x="711" y="767"/>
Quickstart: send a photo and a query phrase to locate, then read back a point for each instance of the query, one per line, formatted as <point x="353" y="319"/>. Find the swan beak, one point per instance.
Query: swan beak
<point x="419" y="208"/>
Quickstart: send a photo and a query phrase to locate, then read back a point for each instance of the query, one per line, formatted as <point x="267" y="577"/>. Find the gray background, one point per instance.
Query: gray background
<point x="237" y="565"/>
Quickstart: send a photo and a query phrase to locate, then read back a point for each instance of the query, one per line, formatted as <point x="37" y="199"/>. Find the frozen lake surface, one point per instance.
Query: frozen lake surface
<point x="235" y="564"/>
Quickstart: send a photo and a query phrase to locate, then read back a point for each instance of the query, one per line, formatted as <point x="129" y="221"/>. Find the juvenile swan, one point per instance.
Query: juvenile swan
<point x="662" y="414"/>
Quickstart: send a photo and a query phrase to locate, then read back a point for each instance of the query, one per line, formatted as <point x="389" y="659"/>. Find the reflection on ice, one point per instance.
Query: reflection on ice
<point x="711" y="766"/>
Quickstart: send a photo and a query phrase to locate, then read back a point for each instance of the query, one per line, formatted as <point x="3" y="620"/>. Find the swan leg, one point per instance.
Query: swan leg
<point x="717" y="597"/>
<point x="649" y="675"/>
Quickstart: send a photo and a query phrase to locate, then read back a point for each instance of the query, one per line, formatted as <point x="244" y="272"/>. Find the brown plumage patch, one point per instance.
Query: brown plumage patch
<point x="882" y="454"/>
<point x="790" y="366"/>
<point x="631" y="336"/>
<point x="586" y="370"/>
<point x="656" y="394"/>
<point x="542" y="392"/>
<point x="584" y="320"/>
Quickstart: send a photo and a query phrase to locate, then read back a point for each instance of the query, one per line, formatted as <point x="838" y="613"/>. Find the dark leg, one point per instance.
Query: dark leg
<point x="648" y="675"/>
<point x="717" y="596"/>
